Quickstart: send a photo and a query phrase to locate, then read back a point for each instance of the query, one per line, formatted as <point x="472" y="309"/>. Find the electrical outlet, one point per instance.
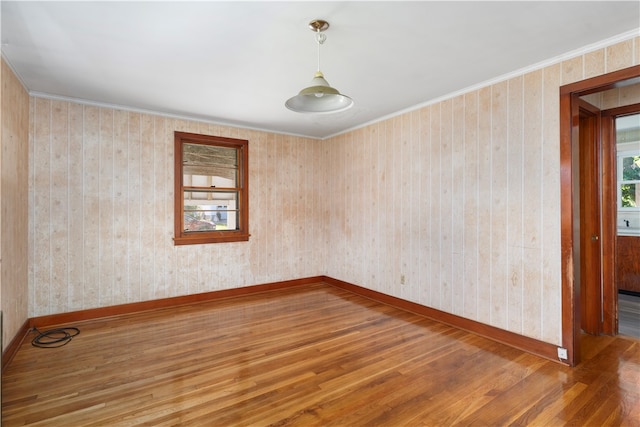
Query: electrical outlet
<point x="562" y="353"/>
<point x="402" y="279"/>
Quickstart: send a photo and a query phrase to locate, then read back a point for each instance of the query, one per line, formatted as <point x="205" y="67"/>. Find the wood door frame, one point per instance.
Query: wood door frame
<point x="590" y="213"/>
<point x="569" y="124"/>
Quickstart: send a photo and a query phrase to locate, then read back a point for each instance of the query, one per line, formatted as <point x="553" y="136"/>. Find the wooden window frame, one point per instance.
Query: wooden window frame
<point x="241" y="233"/>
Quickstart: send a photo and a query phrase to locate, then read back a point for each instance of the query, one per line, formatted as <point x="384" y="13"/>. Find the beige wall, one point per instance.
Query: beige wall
<point x="101" y="199"/>
<point x="13" y="203"/>
<point x="613" y="98"/>
<point x="462" y="198"/>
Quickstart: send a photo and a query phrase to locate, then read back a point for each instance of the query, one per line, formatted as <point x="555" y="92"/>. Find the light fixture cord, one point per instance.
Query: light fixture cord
<point x="320" y="38"/>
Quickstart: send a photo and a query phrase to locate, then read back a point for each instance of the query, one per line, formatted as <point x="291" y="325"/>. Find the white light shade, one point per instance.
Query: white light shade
<point x="320" y="97"/>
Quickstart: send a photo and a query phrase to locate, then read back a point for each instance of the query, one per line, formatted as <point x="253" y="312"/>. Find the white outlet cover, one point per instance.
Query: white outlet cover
<point x="562" y="353"/>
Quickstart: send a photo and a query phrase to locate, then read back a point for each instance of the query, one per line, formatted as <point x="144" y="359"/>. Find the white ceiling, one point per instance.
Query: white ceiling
<point x="237" y="62"/>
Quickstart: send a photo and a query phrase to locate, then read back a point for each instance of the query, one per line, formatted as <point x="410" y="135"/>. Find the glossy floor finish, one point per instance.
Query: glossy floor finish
<point x="310" y="355"/>
<point x="629" y="315"/>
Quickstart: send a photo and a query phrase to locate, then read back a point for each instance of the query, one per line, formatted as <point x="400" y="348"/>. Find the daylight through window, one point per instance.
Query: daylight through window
<point x="211" y="183"/>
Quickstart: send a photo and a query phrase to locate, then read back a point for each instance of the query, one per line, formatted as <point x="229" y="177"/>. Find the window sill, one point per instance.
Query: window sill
<point x="201" y="240"/>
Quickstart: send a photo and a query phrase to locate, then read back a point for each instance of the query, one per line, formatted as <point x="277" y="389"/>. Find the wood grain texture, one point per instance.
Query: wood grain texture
<point x="14" y="203"/>
<point x="121" y="309"/>
<point x="628" y="263"/>
<point x="309" y="355"/>
<point x="521" y="342"/>
<point x="589" y="184"/>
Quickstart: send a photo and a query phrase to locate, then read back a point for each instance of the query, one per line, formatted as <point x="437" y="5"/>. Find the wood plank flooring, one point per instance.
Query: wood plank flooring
<point x="309" y="356"/>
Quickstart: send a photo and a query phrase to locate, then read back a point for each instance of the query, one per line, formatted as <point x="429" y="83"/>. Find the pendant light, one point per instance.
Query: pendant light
<point x="319" y="97"/>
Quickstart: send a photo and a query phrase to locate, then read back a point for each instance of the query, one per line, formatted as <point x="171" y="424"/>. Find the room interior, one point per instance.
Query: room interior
<point x="445" y="202"/>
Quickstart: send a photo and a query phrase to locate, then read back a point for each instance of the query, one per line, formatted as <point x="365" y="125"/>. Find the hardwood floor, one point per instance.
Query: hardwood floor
<point x="311" y="355"/>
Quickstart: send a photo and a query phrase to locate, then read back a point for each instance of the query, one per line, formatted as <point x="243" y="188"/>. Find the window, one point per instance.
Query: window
<point x="211" y="189"/>
<point x="628" y="167"/>
<point x="629" y="180"/>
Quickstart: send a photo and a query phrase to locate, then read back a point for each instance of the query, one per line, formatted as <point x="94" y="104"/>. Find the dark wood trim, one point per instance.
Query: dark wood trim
<point x="569" y="121"/>
<point x="10" y="351"/>
<point x="609" y="224"/>
<point x="589" y="183"/>
<point x="136" y="307"/>
<point x="620" y="78"/>
<point x="181" y="237"/>
<point x="621" y="111"/>
<point x="521" y="342"/>
<point x="530" y="345"/>
<point x="569" y="296"/>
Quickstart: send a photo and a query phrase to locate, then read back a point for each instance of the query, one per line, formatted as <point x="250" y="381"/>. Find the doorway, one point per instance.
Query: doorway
<point x="574" y="236"/>
<point x="609" y="179"/>
<point x="625" y="121"/>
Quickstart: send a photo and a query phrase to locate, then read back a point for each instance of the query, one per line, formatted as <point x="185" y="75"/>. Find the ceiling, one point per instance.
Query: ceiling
<point x="237" y="62"/>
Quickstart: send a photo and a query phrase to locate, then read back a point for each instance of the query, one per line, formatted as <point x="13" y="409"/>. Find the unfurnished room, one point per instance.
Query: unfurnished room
<point x="319" y="213"/>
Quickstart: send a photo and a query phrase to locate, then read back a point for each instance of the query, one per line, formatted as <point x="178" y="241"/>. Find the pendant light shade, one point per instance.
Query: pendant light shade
<point x="319" y="96"/>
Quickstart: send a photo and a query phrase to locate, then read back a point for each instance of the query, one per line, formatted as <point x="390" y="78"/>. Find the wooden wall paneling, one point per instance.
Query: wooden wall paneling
<point x="572" y="69"/>
<point x="373" y="206"/>
<point x="120" y="207"/>
<point x="499" y="249"/>
<point x="59" y="220"/>
<point x="163" y="202"/>
<point x="446" y="213"/>
<point x="459" y="191"/>
<point x="533" y="211"/>
<point x="42" y="208"/>
<point x="484" y="205"/>
<point x="516" y="195"/>
<point x="91" y="206"/>
<point x="397" y="208"/>
<point x="594" y="64"/>
<point x="551" y="271"/>
<point x="106" y="207"/>
<point x="75" y="212"/>
<point x="620" y="56"/>
<point x="409" y="178"/>
<point x="15" y="147"/>
<point x="435" y="200"/>
<point x="148" y="216"/>
<point x="470" y="205"/>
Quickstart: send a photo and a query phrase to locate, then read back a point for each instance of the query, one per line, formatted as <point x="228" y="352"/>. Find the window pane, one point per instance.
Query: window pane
<point x="629" y="195"/>
<point x="631" y="168"/>
<point x="194" y="220"/>
<point x="210" y="210"/>
<point x="209" y="166"/>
